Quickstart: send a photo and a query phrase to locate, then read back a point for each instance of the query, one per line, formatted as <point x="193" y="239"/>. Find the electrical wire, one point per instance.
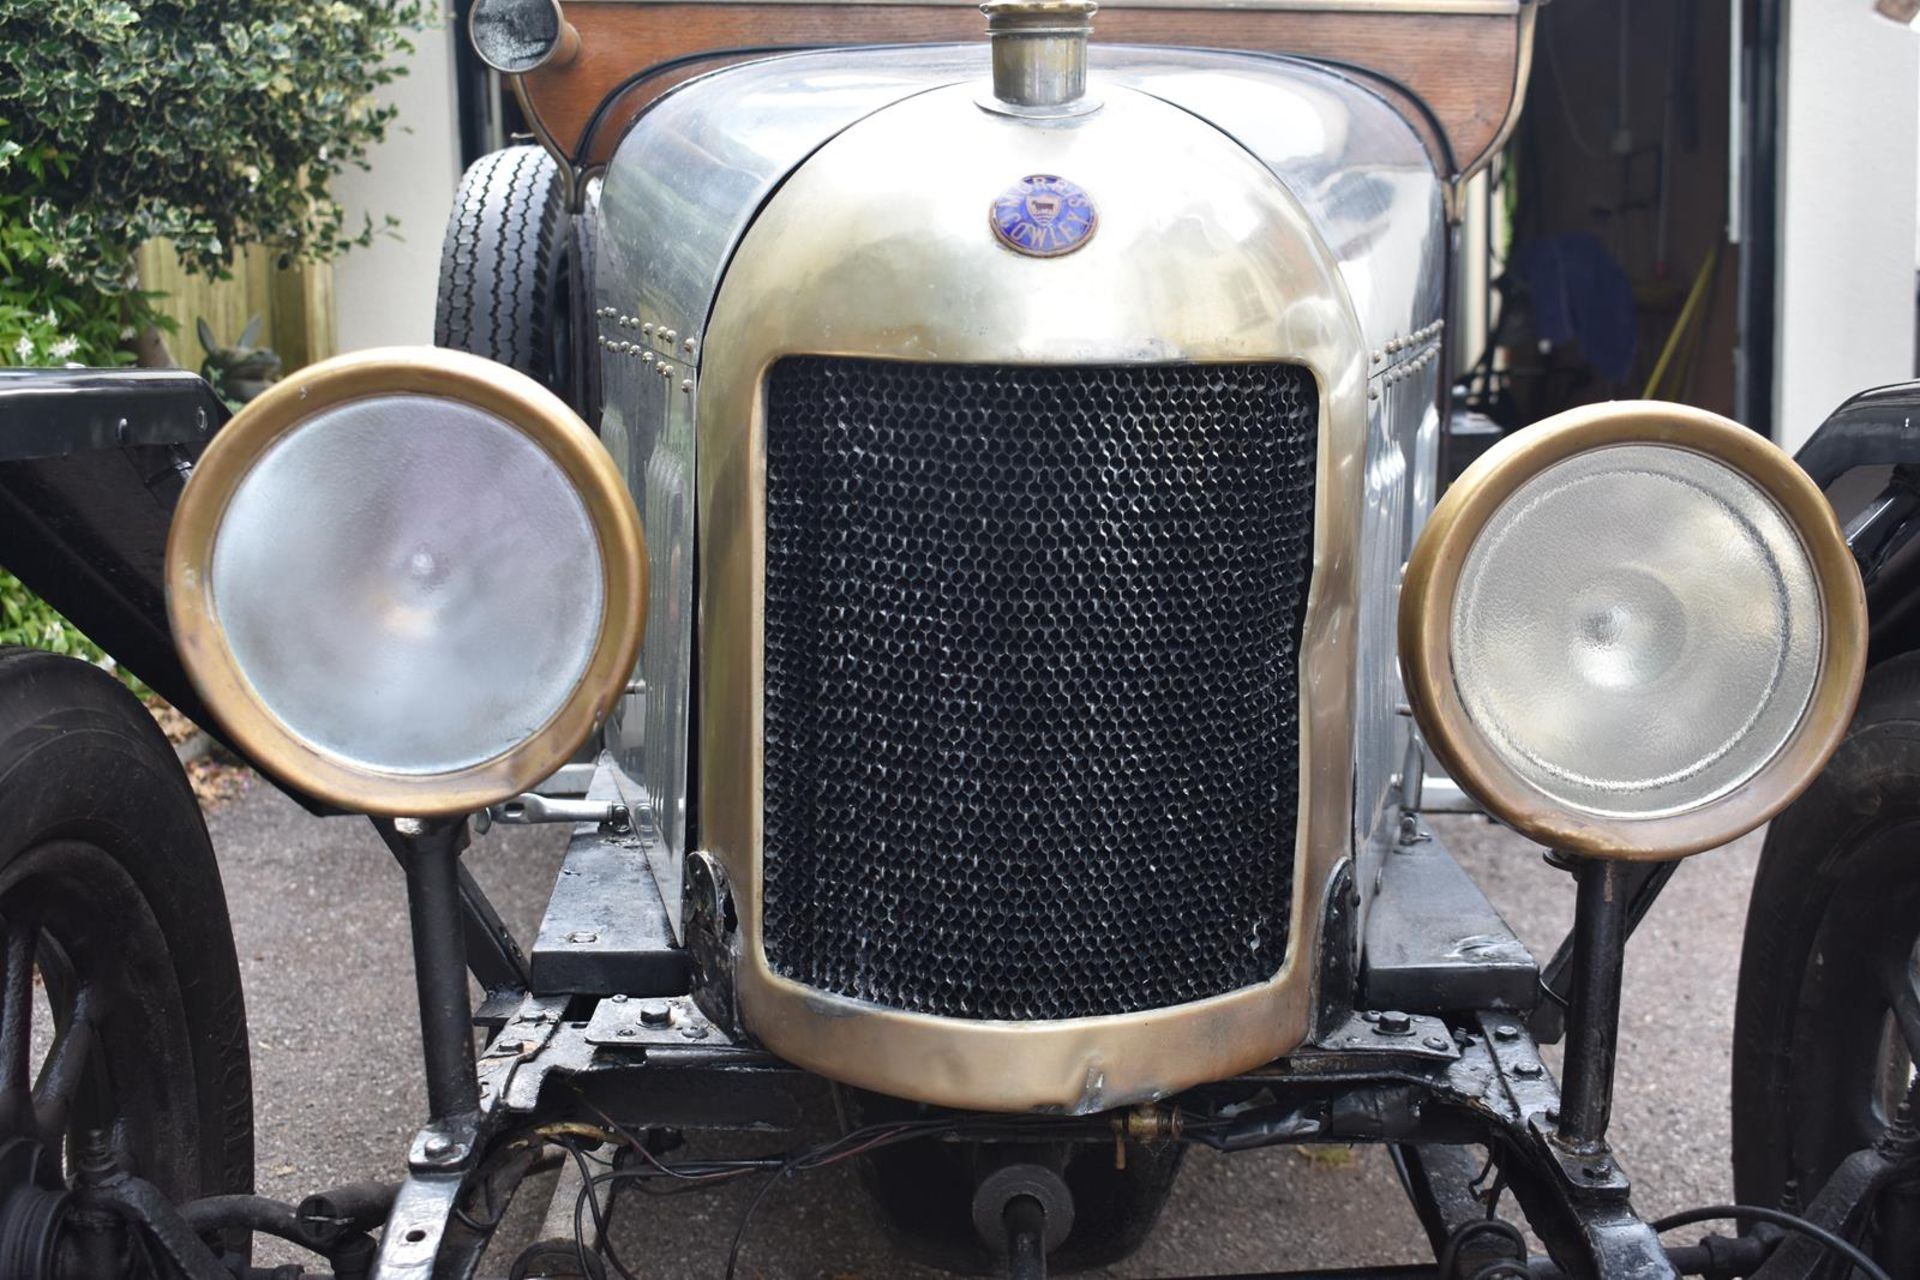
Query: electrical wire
<point x="696" y="1175"/>
<point x="700" y="1175"/>
<point x="604" y="1249"/>
<point x="1779" y="1218"/>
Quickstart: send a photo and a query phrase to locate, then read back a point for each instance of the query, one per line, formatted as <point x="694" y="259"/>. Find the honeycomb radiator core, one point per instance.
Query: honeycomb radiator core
<point x="1032" y="739"/>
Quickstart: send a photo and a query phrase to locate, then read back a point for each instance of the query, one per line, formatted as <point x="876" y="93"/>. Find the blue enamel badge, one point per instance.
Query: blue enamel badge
<point x="1043" y="216"/>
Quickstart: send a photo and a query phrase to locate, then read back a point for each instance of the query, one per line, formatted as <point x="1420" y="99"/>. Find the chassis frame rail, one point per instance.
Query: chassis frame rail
<point x="1485" y="1086"/>
<point x="1462" y="1099"/>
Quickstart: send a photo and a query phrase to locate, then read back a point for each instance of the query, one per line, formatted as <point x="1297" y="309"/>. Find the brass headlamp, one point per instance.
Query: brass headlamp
<point x="1633" y="630"/>
<point x="407" y="581"/>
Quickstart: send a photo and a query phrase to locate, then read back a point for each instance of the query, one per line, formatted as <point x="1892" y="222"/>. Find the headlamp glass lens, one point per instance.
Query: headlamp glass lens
<point x="1637" y="631"/>
<point x="389" y="579"/>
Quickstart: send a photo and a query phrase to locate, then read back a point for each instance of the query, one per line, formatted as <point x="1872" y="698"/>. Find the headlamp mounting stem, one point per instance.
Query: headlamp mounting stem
<point x="1600" y="929"/>
<point x="429" y="853"/>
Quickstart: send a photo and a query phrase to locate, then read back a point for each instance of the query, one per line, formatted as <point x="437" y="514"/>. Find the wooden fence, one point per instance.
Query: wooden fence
<point x="295" y="304"/>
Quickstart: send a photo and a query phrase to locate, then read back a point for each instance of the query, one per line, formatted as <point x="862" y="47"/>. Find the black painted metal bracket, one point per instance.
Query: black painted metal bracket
<point x="1434" y="943"/>
<point x="51" y="413"/>
<point x="606" y="929"/>
<point x="91" y="463"/>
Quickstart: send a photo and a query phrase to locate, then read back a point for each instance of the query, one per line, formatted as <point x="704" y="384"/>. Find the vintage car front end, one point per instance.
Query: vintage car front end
<point x="976" y="583"/>
<point x="1029" y="584"/>
<point x="1030" y="444"/>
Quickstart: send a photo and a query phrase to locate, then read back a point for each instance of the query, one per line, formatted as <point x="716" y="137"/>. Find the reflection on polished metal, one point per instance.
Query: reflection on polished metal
<point x="517" y="36"/>
<point x="1180" y="273"/>
<point x="1633" y="630"/>
<point x="1040" y="55"/>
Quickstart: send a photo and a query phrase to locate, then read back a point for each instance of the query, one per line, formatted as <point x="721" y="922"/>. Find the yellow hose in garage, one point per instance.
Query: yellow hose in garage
<point x="1692" y="312"/>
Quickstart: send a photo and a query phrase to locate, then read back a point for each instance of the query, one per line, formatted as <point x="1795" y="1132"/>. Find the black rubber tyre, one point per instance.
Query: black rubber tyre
<point x="506" y="278"/>
<point x="108" y="886"/>
<point x="924" y="1193"/>
<point x="1834" y="917"/>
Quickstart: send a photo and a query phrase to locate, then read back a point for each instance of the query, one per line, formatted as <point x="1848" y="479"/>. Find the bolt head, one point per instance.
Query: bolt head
<point x="1506" y="1033"/>
<point x="655" y="1013"/>
<point x="1393" y="1023"/>
<point x="1434" y="1042"/>
<point x="1527" y="1070"/>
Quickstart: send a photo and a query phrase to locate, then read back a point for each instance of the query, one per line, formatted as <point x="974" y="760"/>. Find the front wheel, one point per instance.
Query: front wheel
<point x="110" y="902"/>
<point x="1821" y="1063"/>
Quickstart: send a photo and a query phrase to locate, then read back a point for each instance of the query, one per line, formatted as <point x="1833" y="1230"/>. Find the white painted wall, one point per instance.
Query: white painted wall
<point x="384" y="295"/>
<point x="1850" y="167"/>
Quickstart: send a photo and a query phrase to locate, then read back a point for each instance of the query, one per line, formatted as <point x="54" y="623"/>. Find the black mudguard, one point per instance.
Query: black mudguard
<point x="91" y="464"/>
<point x="1866" y="456"/>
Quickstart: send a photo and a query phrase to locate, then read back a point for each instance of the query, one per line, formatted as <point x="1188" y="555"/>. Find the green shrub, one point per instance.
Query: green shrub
<point x="212" y="123"/>
<point x="26" y="619"/>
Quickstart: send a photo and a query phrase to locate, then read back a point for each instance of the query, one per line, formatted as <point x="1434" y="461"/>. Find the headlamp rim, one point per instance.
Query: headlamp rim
<point x="1433" y="579"/>
<point x="443" y="374"/>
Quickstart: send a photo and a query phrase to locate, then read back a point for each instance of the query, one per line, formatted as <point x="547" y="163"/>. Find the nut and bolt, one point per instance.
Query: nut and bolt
<point x="655" y="1014"/>
<point x="1393" y="1023"/>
